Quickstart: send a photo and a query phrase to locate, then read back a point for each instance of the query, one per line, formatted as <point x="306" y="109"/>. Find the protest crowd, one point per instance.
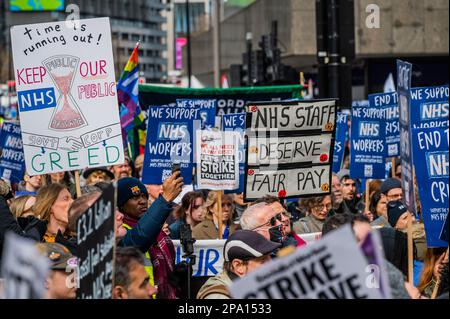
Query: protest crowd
<point x="144" y="224"/>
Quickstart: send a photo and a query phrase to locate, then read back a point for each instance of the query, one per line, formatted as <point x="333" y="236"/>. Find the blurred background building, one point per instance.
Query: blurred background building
<point x="131" y="21"/>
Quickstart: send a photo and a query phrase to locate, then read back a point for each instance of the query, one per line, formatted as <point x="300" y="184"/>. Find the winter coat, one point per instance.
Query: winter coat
<point x="207" y="230"/>
<point x="216" y="287"/>
<point x="308" y="224"/>
<point x="146" y="231"/>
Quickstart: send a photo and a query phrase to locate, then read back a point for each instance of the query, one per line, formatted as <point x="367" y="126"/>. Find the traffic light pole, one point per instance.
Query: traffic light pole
<point x="216" y="43"/>
<point x="188" y="44"/>
<point x="333" y="41"/>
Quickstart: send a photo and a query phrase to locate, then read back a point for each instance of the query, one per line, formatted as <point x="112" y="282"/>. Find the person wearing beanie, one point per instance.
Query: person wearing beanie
<point x="145" y="224"/>
<point x="392" y="189"/>
<point x="243" y="252"/>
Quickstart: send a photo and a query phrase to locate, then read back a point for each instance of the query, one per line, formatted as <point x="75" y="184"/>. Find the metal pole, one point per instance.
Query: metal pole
<point x="333" y="38"/>
<point x="188" y="47"/>
<point x="249" y="38"/>
<point x="216" y="43"/>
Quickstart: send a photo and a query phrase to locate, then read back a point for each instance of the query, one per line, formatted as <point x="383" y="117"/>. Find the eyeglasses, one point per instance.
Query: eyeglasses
<point x="321" y="207"/>
<point x="272" y="221"/>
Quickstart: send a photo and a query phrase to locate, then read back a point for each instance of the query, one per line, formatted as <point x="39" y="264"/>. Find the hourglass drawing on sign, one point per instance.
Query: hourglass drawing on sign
<point x="67" y="115"/>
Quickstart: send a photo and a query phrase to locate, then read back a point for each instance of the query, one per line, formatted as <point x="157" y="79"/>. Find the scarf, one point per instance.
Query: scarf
<point x="162" y="255"/>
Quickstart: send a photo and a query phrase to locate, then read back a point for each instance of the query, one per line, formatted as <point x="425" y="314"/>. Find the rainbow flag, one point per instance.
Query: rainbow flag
<point x="131" y="115"/>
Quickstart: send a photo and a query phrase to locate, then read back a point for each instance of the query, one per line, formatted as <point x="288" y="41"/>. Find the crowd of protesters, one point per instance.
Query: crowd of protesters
<point x="45" y="209"/>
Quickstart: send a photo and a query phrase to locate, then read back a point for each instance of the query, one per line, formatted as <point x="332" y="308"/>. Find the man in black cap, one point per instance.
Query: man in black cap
<point x="243" y="252"/>
<point x="392" y="189"/>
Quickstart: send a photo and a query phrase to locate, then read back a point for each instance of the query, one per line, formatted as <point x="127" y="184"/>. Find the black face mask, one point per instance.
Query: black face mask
<point x="275" y="234"/>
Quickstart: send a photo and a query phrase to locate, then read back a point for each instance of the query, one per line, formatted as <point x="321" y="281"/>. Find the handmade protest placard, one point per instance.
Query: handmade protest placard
<point x="331" y="268"/>
<point x="96" y="240"/>
<point x="12" y="161"/>
<point x="217" y="160"/>
<point x="287" y="183"/>
<point x="289" y="148"/>
<point x="431" y="160"/>
<point x="404" y="73"/>
<point x="67" y="95"/>
<point x="429" y="107"/>
<point x="291" y="116"/>
<point x="207" y="110"/>
<point x="367" y="143"/>
<point x="388" y="102"/>
<point x="170" y="139"/>
<point x="236" y="123"/>
<point x="339" y="143"/>
<point x="24" y="269"/>
<point x="313" y="149"/>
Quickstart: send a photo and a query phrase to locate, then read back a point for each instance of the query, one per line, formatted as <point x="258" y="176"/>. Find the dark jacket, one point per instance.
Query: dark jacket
<point x="146" y="231"/>
<point x="175" y="229"/>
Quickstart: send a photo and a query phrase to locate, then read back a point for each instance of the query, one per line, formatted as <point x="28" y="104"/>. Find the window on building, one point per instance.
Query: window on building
<point x="125" y="36"/>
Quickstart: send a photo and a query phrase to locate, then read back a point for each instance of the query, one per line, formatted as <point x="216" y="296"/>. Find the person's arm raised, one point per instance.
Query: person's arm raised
<point x="145" y="233"/>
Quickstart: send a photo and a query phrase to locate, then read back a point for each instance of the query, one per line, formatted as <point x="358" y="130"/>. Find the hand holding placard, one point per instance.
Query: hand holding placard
<point x="172" y="186"/>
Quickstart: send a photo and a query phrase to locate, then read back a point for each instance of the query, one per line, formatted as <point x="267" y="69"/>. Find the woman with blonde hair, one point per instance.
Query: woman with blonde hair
<point x="22" y="206"/>
<point x="52" y="205"/>
<point x="209" y="228"/>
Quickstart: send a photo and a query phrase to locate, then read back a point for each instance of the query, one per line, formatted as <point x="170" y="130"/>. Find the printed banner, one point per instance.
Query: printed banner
<point x="430" y="149"/>
<point x="236" y="123"/>
<point x="67" y="95"/>
<point x="429" y="107"/>
<point x="339" y="272"/>
<point x="12" y="162"/>
<point x="229" y="101"/>
<point x="170" y="140"/>
<point x="341" y="139"/>
<point x="404" y="73"/>
<point x="207" y="110"/>
<point x="389" y="103"/>
<point x="367" y="143"/>
<point x="217" y="160"/>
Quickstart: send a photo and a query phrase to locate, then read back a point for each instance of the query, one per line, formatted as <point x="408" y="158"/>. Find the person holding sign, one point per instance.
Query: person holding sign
<point x="145" y="227"/>
<point x="318" y="208"/>
<point x="209" y="228"/>
<point x="244" y="252"/>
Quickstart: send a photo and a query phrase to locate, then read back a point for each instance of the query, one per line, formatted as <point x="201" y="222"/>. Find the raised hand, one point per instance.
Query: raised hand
<point x="172" y="186"/>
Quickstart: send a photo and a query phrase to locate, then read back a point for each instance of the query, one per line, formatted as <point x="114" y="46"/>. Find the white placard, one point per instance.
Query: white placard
<point x="217" y="159"/>
<point x="331" y="268"/>
<point x="67" y="95"/>
<point x="297" y="182"/>
<point x="313" y="149"/>
<point x="293" y="116"/>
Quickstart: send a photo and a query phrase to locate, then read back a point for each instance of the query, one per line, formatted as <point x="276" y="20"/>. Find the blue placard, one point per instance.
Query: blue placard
<point x="389" y="103"/>
<point x="339" y="143"/>
<point x="12" y="161"/>
<point x="208" y="109"/>
<point x="404" y="73"/>
<point x="430" y="149"/>
<point x="32" y="100"/>
<point x="236" y="122"/>
<point x="429" y="106"/>
<point x="367" y="143"/>
<point x="170" y="140"/>
<point x="444" y="232"/>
